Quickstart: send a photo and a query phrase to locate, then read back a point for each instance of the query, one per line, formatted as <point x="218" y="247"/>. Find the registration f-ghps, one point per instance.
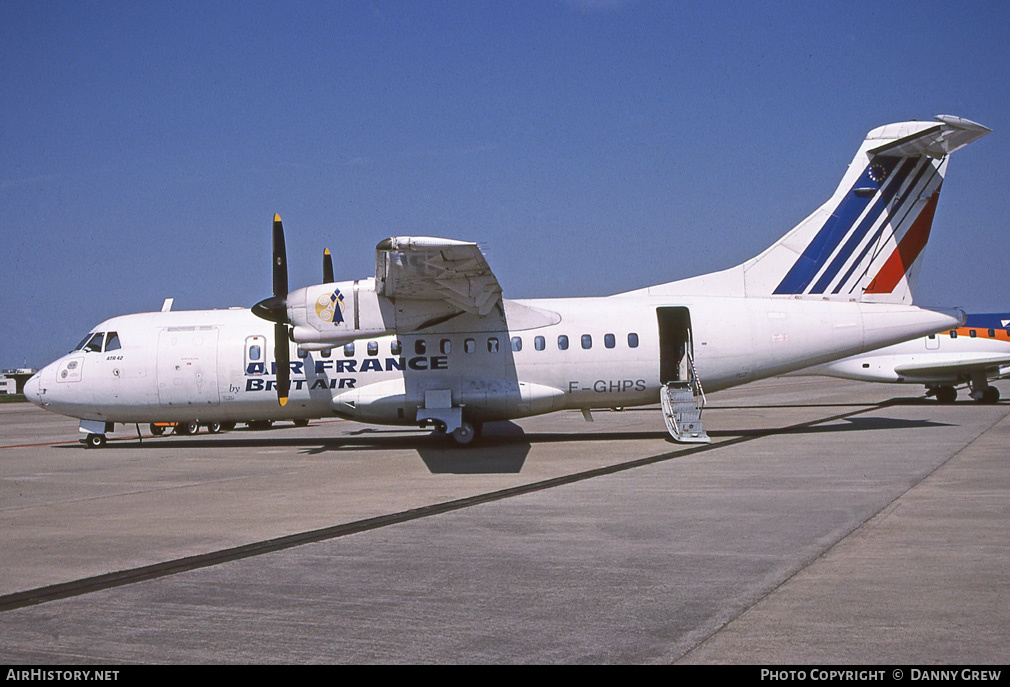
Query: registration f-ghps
<point x="430" y="341"/>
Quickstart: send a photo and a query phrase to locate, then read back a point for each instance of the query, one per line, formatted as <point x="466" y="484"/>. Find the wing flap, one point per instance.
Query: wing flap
<point x="428" y="268"/>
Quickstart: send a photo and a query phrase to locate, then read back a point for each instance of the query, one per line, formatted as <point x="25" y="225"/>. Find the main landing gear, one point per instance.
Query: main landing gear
<point x="948" y="394"/>
<point x="463" y="435"/>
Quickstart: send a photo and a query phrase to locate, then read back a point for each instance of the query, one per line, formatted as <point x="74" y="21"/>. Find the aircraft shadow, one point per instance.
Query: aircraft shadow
<point x="855" y="424"/>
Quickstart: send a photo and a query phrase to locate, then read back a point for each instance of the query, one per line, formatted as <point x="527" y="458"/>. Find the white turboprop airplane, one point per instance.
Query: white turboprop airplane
<point x="430" y="341"/>
<point x="971" y="354"/>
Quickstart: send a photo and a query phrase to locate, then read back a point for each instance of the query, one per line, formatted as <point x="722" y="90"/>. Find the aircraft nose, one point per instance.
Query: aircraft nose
<point x="33" y="389"/>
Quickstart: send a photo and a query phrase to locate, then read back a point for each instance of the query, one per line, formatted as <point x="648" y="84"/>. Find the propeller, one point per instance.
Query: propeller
<point x="327" y="266"/>
<point x="275" y="309"/>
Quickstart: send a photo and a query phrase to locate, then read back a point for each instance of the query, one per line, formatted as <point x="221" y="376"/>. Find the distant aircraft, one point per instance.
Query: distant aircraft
<point x="972" y="354"/>
<point x="430" y="340"/>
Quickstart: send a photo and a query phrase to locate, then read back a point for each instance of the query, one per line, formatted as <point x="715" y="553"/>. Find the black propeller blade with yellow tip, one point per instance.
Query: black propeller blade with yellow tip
<point x="327" y="266"/>
<point x="275" y="309"/>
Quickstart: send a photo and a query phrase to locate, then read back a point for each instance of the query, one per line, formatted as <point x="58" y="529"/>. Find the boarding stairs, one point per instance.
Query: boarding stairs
<point x="682" y="402"/>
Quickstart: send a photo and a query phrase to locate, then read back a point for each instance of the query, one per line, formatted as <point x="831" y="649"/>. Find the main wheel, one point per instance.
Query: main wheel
<point x="990" y="395"/>
<point x="946" y="394"/>
<point x="213" y="427"/>
<point x="464" y="434"/>
<point x="187" y="428"/>
<point x="95" y="441"/>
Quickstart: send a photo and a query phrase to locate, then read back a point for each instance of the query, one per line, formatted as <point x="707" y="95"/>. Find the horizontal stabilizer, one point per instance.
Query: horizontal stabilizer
<point x="942" y="139"/>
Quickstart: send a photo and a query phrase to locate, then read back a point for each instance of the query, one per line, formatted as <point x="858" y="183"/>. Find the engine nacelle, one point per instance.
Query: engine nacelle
<point x="344" y="311"/>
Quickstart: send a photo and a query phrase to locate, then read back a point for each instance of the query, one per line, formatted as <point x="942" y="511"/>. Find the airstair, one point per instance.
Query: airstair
<point x="683" y="401"/>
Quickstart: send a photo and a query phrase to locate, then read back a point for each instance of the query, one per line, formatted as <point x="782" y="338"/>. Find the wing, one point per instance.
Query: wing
<point x="991" y="365"/>
<point x="426" y="268"/>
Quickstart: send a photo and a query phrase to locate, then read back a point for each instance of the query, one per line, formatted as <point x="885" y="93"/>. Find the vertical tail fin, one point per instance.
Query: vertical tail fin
<point x="865" y="242"/>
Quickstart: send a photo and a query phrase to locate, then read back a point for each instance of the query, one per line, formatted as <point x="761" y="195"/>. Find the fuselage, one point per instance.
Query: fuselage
<point x="944" y="358"/>
<point x="531" y="357"/>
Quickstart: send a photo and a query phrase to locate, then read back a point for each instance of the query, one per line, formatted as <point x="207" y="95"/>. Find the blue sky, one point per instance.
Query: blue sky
<point x="590" y="147"/>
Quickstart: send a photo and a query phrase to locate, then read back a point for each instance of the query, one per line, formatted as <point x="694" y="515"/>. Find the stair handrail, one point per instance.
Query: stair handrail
<point x="696" y="381"/>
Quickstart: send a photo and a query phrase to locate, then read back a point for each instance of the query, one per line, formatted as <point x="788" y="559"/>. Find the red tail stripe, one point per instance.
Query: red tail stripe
<point x="907" y="251"/>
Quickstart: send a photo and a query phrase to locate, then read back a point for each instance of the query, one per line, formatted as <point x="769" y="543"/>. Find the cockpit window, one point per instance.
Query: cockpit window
<point x="86" y="339"/>
<point x="112" y="342"/>
<point x="94" y="344"/>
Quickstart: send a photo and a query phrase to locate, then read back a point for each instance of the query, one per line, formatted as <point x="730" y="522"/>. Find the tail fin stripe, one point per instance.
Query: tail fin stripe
<point x="907" y="251"/>
<point x="893" y="226"/>
<point x="902" y="207"/>
<point x="891" y="187"/>
<point x="837" y="226"/>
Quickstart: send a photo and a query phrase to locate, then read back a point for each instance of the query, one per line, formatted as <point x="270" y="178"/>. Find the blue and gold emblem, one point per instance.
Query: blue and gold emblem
<point x="330" y="307"/>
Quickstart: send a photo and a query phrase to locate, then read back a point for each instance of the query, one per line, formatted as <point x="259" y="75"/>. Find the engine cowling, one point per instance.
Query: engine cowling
<point x="344" y="311"/>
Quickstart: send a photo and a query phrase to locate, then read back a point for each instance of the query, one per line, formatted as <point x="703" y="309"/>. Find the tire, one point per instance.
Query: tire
<point x="213" y="427"/>
<point x="187" y="428"/>
<point x="990" y="395"/>
<point x="95" y="441"/>
<point x="946" y="394"/>
<point x="464" y="434"/>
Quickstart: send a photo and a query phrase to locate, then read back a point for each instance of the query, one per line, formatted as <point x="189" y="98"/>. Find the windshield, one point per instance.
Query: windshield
<point x="91" y="343"/>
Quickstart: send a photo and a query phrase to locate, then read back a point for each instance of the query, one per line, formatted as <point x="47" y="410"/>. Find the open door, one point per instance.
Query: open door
<point x="675" y="342"/>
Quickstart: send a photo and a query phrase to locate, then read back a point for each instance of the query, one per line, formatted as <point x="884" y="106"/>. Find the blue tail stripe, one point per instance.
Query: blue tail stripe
<point x="898" y="207"/>
<point x="831" y="234"/>
<point x="986" y="320"/>
<point x="893" y="183"/>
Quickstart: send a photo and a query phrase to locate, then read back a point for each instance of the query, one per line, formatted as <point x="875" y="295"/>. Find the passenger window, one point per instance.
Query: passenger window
<point x="395" y="347"/>
<point x="95" y="345"/>
<point x="420" y="346"/>
<point x="953" y="333"/>
<point x="587" y="341"/>
<point x="492" y="345"/>
<point x="972" y="333"/>
<point x="373" y="348"/>
<point x="517" y="344"/>
<point x="469" y="345"/>
<point x="302" y="353"/>
<point x="539" y="343"/>
<point x="992" y="333"/>
<point x="563" y="342"/>
<point x="325" y="353"/>
<point x="255" y="354"/>
<point x="349" y="349"/>
<point x="445" y="346"/>
<point x="632" y="340"/>
<point x="609" y="340"/>
<point x="112" y="342"/>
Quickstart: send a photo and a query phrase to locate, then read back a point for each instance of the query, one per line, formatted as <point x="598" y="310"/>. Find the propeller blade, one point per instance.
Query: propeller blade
<point x="282" y="359"/>
<point x="280" y="260"/>
<point x="327" y="266"/>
